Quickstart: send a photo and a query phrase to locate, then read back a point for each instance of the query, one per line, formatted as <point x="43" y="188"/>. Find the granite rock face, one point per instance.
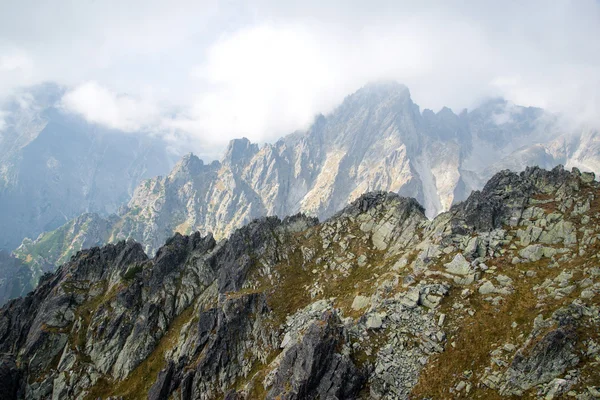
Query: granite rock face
<point x="376" y="302"/>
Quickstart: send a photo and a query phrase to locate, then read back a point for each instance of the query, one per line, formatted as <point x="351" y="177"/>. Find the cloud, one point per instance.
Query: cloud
<point x="263" y="81"/>
<point x="204" y="72"/>
<point x="3" y="115"/>
<point x="100" y="105"/>
<point x="16" y="68"/>
<point x="271" y="79"/>
<point x="14" y="62"/>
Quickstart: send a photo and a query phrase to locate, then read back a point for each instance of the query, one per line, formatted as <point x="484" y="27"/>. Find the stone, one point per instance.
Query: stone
<point x="441" y="319"/>
<point x="430" y="300"/>
<point x="374" y="321"/>
<point x="549" y="357"/>
<point x="487" y="288"/>
<point x="594" y="391"/>
<point x="411" y="298"/>
<point x="509" y="347"/>
<point x="533" y="252"/>
<point x="504" y="280"/>
<point x="361" y="302"/>
<point x="556" y="388"/>
<point x="587" y="294"/>
<point x="459" y="266"/>
<point x="362" y="260"/>
<point x="588" y="177"/>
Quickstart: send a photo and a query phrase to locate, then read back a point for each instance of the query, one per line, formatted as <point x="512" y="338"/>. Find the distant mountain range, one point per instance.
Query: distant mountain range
<point x="377" y="139"/>
<point x="55" y="166"/>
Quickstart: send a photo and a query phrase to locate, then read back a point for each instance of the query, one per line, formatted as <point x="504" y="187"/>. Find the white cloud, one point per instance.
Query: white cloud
<point x="14" y="62"/>
<point x="16" y="68"/>
<point x="100" y="105"/>
<point x="3" y="115"/>
<point x="271" y="79"/>
<point x="264" y="81"/>
<point x="263" y="68"/>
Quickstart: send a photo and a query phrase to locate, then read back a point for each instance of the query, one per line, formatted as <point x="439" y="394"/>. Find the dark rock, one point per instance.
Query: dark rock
<point x="548" y="358"/>
<point x="161" y="388"/>
<point x="258" y="239"/>
<point x="223" y="336"/>
<point x="506" y="195"/>
<point x="313" y="368"/>
<point x="10" y="378"/>
<point x="367" y="201"/>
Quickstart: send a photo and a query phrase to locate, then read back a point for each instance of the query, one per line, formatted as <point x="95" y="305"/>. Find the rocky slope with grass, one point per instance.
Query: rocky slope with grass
<point x="499" y="297"/>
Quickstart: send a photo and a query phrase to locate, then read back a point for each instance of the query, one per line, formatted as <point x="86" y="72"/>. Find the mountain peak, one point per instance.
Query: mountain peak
<point x="385" y="86"/>
<point x="189" y="164"/>
<point x="239" y="150"/>
<point x="374" y="95"/>
<point x="379" y="90"/>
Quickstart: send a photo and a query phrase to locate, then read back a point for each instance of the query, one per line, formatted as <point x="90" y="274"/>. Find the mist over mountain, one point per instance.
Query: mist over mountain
<point x="55" y="165"/>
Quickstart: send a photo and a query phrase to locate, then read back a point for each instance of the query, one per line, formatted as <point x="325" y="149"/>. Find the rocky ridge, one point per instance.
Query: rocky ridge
<point x="497" y="297"/>
<point x="377" y="139"/>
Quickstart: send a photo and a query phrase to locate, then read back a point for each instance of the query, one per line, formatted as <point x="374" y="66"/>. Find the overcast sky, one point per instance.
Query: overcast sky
<point x="212" y="71"/>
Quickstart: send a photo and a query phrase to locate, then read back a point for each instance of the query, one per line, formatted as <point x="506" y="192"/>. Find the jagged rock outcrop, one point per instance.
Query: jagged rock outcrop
<point x="312" y="367"/>
<point x="548" y="358"/>
<point x="376" y="302"/>
<point x="506" y="195"/>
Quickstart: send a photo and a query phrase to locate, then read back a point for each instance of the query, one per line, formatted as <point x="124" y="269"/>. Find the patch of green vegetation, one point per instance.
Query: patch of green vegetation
<point x="49" y="246"/>
<point x="132" y="271"/>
